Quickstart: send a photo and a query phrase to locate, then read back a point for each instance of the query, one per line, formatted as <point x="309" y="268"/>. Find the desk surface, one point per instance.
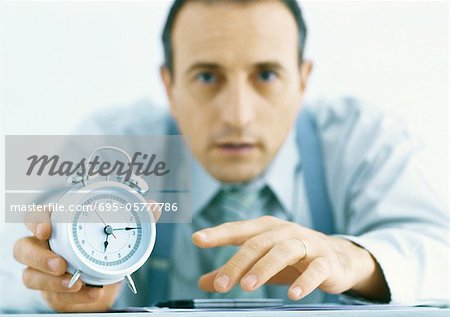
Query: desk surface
<point x="410" y="312"/>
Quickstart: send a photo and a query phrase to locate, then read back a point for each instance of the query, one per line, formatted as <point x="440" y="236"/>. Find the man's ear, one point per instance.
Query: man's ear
<point x="167" y="79"/>
<point x="305" y="71"/>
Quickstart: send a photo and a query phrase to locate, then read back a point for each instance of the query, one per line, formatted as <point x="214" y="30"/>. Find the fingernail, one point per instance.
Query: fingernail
<point x="223" y="281"/>
<point x="251" y="280"/>
<point x="65" y="282"/>
<point x="92" y="293"/>
<point x="39" y="229"/>
<point x="53" y="264"/>
<point x="201" y="235"/>
<point x="296" y="291"/>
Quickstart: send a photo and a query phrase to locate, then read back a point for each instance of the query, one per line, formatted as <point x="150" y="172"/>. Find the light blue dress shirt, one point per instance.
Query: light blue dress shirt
<point x="282" y="176"/>
<point x="380" y="199"/>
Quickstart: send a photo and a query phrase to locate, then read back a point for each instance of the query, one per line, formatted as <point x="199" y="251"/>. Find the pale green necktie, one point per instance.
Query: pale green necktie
<point x="235" y="204"/>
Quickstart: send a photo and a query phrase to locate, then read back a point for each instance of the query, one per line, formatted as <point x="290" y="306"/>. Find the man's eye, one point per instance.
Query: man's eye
<point x="207" y="78"/>
<point x="267" y="75"/>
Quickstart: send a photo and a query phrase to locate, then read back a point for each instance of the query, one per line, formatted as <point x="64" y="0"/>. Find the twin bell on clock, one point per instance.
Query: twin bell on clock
<point x="101" y="250"/>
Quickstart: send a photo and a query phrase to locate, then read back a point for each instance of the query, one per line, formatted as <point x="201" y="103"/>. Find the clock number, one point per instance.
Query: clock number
<point x="80" y="227"/>
<point x="119" y="255"/>
<point x="82" y="241"/>
<point x="106" y="258"/>
<point x="129" y="246"/>
<point x="92" y="252"/>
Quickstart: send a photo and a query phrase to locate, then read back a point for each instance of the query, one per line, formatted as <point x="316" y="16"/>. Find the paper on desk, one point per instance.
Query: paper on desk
<point x="287" y="307"/>
<point x="308" y="307"/>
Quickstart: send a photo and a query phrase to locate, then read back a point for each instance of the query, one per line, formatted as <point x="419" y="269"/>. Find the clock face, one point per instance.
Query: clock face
<point x="111" y="244"/>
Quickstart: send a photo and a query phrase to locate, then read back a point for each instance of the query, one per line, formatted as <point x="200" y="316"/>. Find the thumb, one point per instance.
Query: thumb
<point x="38" y="222"/>
<point x="155" y="209"/>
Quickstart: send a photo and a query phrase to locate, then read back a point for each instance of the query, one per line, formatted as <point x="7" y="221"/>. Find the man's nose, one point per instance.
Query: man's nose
<point x="238" y="108"/>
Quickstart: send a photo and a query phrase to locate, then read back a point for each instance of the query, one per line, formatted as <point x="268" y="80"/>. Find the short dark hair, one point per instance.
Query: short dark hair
<point x="292" y="5"/>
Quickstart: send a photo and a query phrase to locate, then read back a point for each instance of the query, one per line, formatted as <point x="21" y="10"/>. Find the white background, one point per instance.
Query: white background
<point x="60" y="61"/>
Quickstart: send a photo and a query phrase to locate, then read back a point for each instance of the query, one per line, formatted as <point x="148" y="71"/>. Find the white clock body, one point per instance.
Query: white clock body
<point x="81" y="242"/>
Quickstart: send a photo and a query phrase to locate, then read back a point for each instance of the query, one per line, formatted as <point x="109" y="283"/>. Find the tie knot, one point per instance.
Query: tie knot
<point x="239" y="203"/>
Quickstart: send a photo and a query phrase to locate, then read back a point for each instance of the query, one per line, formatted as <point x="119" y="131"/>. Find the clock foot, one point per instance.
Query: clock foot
<point x="130" y="283"/>
<point x="74" y="278"/>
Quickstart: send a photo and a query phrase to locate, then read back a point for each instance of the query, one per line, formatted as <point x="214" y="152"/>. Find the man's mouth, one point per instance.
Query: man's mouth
<point x="236" y="148"/>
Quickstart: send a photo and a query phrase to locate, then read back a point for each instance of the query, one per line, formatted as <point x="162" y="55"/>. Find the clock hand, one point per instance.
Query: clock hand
<point x="127" y="228"/>
<point x="104" y="224"/>
<point x="108" y="230"/>
<point x="106" y="243"/>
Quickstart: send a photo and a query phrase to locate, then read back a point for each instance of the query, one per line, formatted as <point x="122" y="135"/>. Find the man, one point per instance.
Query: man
<point x="235" y="78"/>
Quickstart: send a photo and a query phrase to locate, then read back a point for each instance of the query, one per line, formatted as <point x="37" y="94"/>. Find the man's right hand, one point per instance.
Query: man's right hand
<point x="46" y="272"/>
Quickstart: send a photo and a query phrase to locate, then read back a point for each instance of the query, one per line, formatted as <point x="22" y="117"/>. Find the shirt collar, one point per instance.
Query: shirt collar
<point x="204" y="187"/>
<point x="279" y="176"/>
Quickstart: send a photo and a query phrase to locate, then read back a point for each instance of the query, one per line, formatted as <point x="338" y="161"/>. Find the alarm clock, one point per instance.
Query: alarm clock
<point x="97" y="251"/>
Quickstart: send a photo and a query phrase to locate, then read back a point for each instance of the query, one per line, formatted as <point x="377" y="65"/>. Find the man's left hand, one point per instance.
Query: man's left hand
<point x="281" y="252"/>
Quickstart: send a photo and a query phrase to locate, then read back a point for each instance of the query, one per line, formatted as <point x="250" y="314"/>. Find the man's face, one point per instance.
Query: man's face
<point x="237" y="85"/>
